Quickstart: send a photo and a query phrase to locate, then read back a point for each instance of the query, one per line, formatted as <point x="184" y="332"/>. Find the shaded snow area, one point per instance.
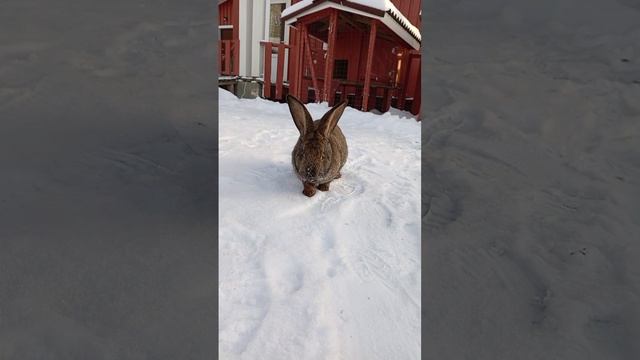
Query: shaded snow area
<point x="335" y="276"/>
<point x="532" y="179"/>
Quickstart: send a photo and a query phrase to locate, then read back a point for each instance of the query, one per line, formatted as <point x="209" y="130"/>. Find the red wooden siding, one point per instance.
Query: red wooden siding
<point x="410" y="9"/>
<point x="307" y="63"/>
<point x="228" y="47"/>
<point x="228" y="57"/>
<point x="225" y="13"/>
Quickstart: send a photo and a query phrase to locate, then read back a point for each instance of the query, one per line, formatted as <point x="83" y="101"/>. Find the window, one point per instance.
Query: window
<point x="351" y="98"/>
<point x="276" y="26"/>
<point x="408" y="103"/>
<point x="226" y="34"/>
<point x="379" y="103"/>
<point x="311" y="95"/>
<point x="340" y="69"/>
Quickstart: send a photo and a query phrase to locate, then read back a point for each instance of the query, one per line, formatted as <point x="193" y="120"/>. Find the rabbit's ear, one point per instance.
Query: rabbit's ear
<point x="300" y="115"/>
<point x="330" y="119"/>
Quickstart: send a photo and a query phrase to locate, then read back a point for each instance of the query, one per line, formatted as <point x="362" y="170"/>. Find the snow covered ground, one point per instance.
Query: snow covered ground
<point x="335" y="276"/>
<point x="532" y="179"/>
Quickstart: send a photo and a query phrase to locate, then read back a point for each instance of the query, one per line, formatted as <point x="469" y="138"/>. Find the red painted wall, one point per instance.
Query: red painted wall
<point x="352" y="46"/>
<point x="410" y="9"/>
<point x="413" y="86"/>
<point x="225" y="10"/>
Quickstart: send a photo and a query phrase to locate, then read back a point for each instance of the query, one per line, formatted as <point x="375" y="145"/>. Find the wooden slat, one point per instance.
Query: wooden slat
<point x="280" y="71"/>
<point x="224" y="10"/>
<point x="314" y="80"/>
<point x="415" y="106"/>
<point x="300" y="91"/>
<point x="267" y="70"/>
<point x="367" y="73"/>
<point x="292" y="63"/>
<point x="227" y="57"/>
<point x="220" y="62"/>
<point x="235" y="19"/>
<point x="328" y="74"/>
<point x="236" y="57"/>
<point x="404" y="77"/>
<point x="296" y="81"/>
<point x="412" y="15"/>
<point x="299" y="63"/>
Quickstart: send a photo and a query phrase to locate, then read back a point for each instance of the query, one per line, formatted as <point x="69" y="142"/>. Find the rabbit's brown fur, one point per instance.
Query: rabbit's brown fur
<point x="321" y="150"/>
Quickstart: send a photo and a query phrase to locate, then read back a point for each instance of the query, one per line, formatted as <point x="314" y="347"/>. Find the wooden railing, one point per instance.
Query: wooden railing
<point x="228" y="55"/>
<point x="410" y="85"/>
<point x="281" y="48"/>
<point x="305" y="74"/>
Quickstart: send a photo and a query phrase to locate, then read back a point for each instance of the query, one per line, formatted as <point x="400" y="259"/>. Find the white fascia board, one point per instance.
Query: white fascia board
<point x="400" y="31"/>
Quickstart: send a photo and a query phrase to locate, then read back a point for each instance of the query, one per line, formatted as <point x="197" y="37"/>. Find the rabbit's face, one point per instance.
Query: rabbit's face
<point x="315" y="158"/>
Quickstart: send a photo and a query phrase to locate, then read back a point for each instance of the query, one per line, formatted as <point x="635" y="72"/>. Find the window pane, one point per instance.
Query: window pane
<point x="276" y="26"/>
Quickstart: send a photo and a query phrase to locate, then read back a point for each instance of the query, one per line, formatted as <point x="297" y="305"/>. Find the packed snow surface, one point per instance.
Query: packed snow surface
<point x="335" y="276"/>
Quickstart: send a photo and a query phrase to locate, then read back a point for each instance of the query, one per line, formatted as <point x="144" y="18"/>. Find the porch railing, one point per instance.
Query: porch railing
<point x="300" y="73"/>
<point x="281" y="50"/>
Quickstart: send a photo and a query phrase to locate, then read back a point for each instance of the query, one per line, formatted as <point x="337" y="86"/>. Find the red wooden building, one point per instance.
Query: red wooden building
<point x="364" y="51"/>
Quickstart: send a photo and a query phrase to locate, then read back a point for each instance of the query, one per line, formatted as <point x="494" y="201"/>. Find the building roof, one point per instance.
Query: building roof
<point x="382" y="10"/>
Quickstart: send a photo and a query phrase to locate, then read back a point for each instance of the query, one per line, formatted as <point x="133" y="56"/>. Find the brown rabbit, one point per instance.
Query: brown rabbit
<point x="321" y="150"/>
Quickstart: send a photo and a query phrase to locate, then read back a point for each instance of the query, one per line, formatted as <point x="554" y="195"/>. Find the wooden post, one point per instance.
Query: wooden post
<point x="235" y="54"/>
<point x="303" y="43"/>
<point x="227" y="57"/>
<point x="266" y="90"/>
<point x="299" y="60"/>
<point x="220" y="52"/>
<point x="235" y="20"/>
<point x="291" y="63"/>
<point x="415" y="106"/>
<point x="314" y="80"/>
<point x="235" y="16"/>
<point x="328" y="72"/>
<point x="280" y="71"/>
<point x="367" y="73"/>
<point x="300" y="94"/>
<point x="404" y="78"/>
